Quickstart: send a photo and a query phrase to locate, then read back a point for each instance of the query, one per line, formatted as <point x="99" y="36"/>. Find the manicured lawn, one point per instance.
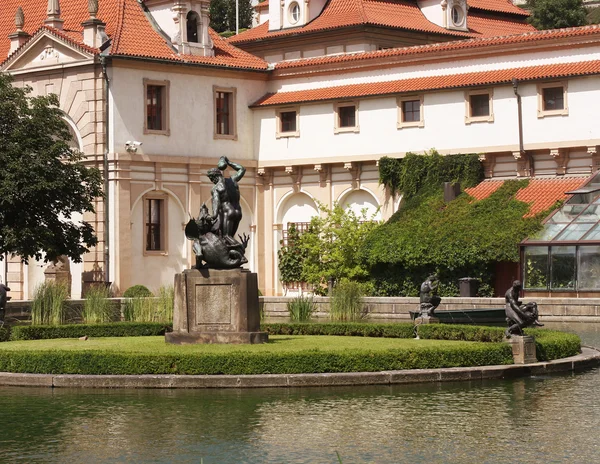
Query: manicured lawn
<point x="277" y="344"/>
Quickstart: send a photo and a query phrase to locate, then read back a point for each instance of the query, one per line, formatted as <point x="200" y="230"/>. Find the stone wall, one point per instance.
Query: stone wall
<point x="396" y="309"/>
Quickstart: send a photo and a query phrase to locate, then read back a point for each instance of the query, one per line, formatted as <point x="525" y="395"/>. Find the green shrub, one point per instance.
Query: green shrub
<point x="157" y="308"/>
<point x="118" y="329"/>
<point x="48" y="305"/>
<point x="346" y="302"/>
<point x="301" y="308"/>
<point x="97" y="307"/>
<point x="552" y="344"/>
<point x="4" y="333"/>
<point x="137" y="291"/>
<point x="245" y="362"/>
<point x="470" y="333"/>
<point x="349" y="329"/>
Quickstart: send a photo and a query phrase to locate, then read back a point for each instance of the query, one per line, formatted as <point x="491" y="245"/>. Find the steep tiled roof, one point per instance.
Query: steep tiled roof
<point x="431" y="83"/>
<point x="540" y="193"/>
<point x="126" y="24"/>
<point x="261" y="5"/>
<point x="398" y="14"/>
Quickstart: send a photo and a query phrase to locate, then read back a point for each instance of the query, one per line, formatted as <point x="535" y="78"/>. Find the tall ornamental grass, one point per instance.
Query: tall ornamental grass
<point x="158" y="308"/>
<point x="346" y="302"/>
<point x="98" y="308"/>
<point x="48" y="306"/>
<point x="301" y="308"/>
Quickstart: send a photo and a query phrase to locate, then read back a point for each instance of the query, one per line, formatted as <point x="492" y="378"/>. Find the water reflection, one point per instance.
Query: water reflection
<point x="534" y="420"/>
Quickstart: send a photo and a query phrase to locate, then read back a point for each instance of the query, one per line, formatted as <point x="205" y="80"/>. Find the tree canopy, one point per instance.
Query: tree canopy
<point x="43" y="181"/>
<point x="556" y="14"/>
<point x="222" y="15"/>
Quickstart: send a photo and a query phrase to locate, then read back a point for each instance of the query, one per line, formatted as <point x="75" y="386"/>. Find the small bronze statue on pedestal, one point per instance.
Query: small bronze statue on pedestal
<point x="429" y="297"/>
<point x="519" y="315"/>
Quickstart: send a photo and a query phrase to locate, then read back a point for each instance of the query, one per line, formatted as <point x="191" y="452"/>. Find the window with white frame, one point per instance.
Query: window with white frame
<point x="552" y="99"/>
<point x="288" y="122"/>
<point x="346" y="117"/>
<point x="479" y="106"/>
<point x="410" y="111"/>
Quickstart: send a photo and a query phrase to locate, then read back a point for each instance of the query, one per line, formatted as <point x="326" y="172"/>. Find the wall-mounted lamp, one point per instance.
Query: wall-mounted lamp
<point x="132" y="147"/>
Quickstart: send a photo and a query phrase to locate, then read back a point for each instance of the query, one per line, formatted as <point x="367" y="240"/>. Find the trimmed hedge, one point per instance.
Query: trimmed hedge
<point x="244" y="363"/>
<point x="347" y="329"/>
<point x="117" y="329"/>
<point x="550" y="344"/>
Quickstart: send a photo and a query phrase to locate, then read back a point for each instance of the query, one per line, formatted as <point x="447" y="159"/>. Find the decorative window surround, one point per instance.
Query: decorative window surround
<point x="230" y="130"/>
<point x="542" y="111"/>
<point x="401" y="102"/>
<point x="164" y="107"/>
<point x="338" y="116"/>
<point x="469" y="118"/>
<point x="294" y="132"/>
<point x="163" y="219"/>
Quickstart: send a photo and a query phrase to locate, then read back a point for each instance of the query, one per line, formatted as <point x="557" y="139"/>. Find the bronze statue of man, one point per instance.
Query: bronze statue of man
<point x="518" y="315"/>
<point x="226" y="197"/>
<point x="429" y="300"/>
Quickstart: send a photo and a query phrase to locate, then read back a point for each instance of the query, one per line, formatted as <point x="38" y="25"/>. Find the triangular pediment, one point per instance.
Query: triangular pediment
<point x="45" y="50"/>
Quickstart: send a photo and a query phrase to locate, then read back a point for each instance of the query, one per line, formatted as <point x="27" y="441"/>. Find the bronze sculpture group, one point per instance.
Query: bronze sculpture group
<point x="519" y="315"/>
<point x="213" y="234"/>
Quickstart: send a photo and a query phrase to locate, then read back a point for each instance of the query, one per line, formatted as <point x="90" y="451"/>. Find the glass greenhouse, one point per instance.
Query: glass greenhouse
<point x="565" y="255"/>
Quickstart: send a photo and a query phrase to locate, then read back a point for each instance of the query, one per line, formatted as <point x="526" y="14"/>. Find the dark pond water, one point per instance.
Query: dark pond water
<point x="534" y="420"/>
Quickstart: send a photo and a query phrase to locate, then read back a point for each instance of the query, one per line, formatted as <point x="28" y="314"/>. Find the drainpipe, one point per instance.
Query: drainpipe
<point x="515" y="84"/>
<point x="105" y="161"/>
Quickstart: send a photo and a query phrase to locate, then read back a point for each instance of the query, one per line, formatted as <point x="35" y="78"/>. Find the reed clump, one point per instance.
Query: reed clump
<point x="49" y="304"/>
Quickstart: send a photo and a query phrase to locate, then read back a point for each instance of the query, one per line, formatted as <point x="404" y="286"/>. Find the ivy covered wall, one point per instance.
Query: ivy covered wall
<point x="462" y="238"/>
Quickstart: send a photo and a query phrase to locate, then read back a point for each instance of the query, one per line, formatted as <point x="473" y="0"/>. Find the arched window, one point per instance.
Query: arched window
<point x="192" y="27"/>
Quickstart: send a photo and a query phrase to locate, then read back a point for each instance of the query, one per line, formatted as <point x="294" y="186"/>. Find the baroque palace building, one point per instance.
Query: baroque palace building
<point x="308" y="101"/>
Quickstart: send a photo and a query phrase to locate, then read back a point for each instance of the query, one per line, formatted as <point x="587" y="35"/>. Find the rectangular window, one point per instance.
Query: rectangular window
<point x="154" y="104"/>
<point x="411" y="110"/>
<point x="154" y="223"/>
<point x="156" y="109"/>
<point x="480" y="105"/>
<point x="347" y="116"/>
<point x="225" y="116"/>
<point x="562" y="268"/>
<point x="288" y="121"/>
<point x="536" y="268"/>
<point x="553" y="98"/>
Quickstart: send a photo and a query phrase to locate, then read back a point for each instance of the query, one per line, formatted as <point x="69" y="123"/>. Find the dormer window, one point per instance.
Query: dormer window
<point x="457" y="16"/>
<point x="294" y="13"/>
<point x="192" y="21"/>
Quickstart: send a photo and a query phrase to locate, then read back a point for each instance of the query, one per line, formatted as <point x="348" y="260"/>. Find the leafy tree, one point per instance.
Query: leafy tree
<point x="330" y="249"/>
<point x="222" y="14"/>
<point x="555" y="14"/>
<point x="42" y="181"/>
<point x="291" y="257"/>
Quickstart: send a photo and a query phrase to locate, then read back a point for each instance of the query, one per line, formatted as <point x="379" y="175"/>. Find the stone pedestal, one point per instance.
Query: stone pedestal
<point x="216" y="306"/>
<point x="427" y="320"/>
<point x="523" y="349"/>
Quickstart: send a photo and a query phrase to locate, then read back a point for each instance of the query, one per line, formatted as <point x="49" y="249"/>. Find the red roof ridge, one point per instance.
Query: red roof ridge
<point x="454" y="44"/>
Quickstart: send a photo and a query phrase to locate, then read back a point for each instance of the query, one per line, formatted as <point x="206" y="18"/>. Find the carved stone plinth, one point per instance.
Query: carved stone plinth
<point x="427" y="320"/>
<point x="216" y="306"/>
<point x="523" y="349"/>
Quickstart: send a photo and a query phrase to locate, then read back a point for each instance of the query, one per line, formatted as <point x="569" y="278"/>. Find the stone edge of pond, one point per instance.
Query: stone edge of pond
<point x="588" y="358"/>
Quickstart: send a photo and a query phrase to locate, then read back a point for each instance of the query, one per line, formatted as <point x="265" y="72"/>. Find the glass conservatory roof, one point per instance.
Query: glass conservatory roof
<point x="578" y="220"/>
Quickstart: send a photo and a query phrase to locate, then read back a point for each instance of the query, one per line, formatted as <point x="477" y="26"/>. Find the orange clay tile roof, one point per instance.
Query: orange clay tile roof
<point x="400" y="14"/>
<point x="132" y="33"/>
<point x="430" y="83"/>
<point x="502" y="6"/>
<point x="261" y="5"/>
<point x="540" y="193"/>
<point x="480" y="42"/>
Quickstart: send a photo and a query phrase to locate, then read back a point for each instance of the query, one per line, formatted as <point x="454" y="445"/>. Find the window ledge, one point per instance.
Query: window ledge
<point x="563" y="112"/>
<point x="476" y="119"/>
<point x="155" y="253"/>
<point x="341" y="130"/>
<point x="157" y="132"/>
<point x="281" y="135"/>
<point x="225" y="137"/>
<point x="404" y="125"/>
